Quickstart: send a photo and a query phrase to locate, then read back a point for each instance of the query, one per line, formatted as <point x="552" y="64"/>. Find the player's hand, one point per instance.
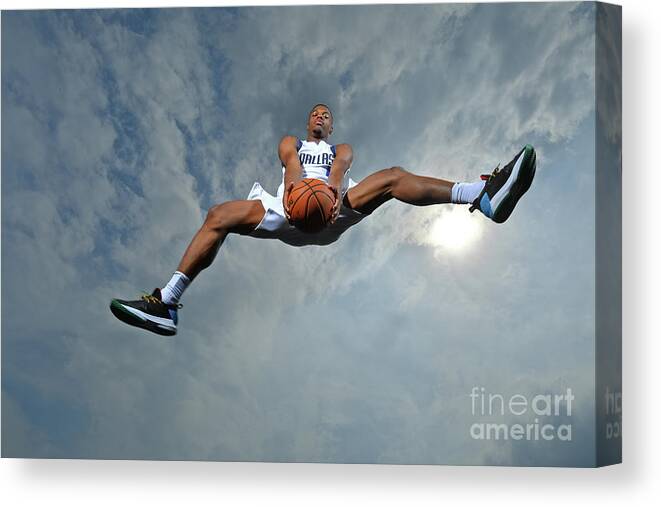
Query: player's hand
<point x="285" y="201"/>
<point x="336" y="205"/>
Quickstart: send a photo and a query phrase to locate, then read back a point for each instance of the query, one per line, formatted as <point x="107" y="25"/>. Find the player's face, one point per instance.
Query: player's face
<point x="320" y="123"/>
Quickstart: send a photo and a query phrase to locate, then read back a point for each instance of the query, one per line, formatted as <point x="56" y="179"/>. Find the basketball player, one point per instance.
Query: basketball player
<point x="265" y="216"/>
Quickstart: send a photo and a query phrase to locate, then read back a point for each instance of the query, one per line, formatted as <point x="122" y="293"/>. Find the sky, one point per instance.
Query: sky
<point x="120" y="128"/>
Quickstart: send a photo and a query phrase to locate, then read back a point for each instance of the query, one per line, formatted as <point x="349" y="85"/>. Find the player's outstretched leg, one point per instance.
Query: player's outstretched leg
<point x="157" y="312"/>
<point x="397" y="183"/>
<point x="495" y="196"/>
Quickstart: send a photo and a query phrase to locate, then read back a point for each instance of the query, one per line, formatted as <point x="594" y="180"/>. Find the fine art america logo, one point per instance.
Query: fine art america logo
<point x="526" y="417"/>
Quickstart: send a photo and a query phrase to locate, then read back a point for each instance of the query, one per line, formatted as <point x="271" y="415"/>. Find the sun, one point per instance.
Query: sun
<point x="455" y="229"/>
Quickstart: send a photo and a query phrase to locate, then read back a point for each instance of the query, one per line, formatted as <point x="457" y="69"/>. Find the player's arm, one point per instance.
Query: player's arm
<point x="293" y="171"/>
<point x="341" y="163"/>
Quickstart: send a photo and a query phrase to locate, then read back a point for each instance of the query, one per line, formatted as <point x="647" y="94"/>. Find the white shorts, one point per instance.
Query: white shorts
<point x="275" y="225"/>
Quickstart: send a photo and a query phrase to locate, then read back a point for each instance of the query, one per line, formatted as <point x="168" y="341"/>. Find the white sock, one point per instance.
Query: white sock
<point x="466" y="193"/>
<point x="175" y="288"/>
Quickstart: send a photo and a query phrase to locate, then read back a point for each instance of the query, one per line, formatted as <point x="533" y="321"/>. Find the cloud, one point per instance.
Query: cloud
<point x="128" y="125"/>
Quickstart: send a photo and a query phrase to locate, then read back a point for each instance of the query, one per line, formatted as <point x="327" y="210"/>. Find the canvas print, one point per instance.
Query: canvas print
<point x="344" y="234"/>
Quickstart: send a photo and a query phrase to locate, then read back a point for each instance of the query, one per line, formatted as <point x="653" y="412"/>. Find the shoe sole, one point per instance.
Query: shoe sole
<point x="519" y="187"/>
<point x="131" y="319"/>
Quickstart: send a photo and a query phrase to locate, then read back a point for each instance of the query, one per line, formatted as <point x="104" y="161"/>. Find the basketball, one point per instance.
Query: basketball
<point x="311" y="205"/>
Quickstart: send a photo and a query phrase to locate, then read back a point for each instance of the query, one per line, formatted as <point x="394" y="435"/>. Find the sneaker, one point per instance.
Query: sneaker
<point x="149" y="313"/>
<point x="504" y="187"/>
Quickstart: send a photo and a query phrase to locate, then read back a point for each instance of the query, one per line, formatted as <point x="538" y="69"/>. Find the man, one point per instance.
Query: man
<point x="265" y="216"/>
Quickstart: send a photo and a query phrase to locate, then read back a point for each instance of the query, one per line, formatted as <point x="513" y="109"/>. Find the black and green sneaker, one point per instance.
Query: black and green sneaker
<point x="148" y="312"/>
<point x="504" y="187"/>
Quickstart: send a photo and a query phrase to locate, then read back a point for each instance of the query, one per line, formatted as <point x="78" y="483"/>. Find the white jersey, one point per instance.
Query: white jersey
<point x="316" y="159"/>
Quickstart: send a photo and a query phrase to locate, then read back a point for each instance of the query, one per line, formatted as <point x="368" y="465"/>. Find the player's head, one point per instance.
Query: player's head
<point x="320" y="122"/>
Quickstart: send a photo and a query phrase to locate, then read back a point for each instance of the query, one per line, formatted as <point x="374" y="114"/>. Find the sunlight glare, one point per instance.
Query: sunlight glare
<point x="455" y="229"/>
